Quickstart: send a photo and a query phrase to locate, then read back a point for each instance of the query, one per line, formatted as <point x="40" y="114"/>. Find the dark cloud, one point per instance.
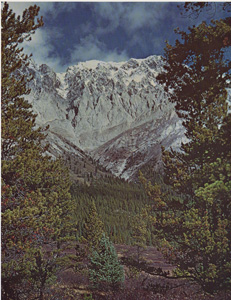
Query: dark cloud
<point x="79" y="31"/>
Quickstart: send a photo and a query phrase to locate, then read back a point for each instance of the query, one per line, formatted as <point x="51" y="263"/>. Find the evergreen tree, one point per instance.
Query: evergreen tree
<point x="139" y="232"/>
<point x="35" y="189"/>
<point x="194" y="9"/>
<point x="104" y="269"/>
<point x="195" y="227"/>
<point x="116" y="202"/>
<point x="94" y="228"/>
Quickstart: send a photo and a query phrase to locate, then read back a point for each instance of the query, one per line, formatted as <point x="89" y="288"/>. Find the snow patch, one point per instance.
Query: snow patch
<point x="62" y="90"/>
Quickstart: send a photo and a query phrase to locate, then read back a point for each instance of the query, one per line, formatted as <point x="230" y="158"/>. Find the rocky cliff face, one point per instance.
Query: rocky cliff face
<point x="117" y="113"/>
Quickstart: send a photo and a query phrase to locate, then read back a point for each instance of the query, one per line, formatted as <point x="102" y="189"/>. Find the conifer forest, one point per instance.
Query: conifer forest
<point x="73" y="230"/>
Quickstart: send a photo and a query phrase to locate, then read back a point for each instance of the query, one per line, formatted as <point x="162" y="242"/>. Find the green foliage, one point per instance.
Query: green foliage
<point x="104" y="269"/>
<point x="195" y="226"/>
<point x="116" y="202"/>
<point x="139" y="232"/>
<point x="88" y="297"/>
<point x="132" y="272"/>
<point x="17" y="119"/>
<point x="35" y="190"/>
<point x="94" y="228"/>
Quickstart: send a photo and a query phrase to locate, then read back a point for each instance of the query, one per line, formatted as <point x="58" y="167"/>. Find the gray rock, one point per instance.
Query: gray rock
<point x="116" y="112"/>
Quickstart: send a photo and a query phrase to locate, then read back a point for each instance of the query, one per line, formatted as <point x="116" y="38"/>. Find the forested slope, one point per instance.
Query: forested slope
<point x="117" y="201"/>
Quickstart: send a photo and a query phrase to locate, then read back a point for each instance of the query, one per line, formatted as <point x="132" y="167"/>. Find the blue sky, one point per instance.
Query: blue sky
<point x="108" y="31"/>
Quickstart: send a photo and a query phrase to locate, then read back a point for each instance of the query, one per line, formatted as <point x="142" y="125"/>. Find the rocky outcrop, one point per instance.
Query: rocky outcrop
<point x="116" y="112"/>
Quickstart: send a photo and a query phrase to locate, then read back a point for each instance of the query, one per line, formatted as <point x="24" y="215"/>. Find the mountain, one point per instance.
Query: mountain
<point x="115" y="113"/>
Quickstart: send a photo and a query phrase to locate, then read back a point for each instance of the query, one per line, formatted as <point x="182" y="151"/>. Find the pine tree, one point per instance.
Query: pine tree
<point x="35" y="189"/>
<point x="94" y="228"/>
<point x="104" y="269"/>
<point x="194" y="9"/>
<point x="195" y="226"/>
<point x="139" y="232"/>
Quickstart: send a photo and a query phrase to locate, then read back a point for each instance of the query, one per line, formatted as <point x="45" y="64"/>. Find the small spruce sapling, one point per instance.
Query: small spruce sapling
<point x="105" y="269"/>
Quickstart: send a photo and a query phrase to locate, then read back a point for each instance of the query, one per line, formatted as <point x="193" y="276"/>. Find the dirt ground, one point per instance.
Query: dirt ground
<point x="137" y="285"/>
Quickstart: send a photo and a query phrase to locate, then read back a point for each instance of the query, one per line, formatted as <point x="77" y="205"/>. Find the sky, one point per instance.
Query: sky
<point x="107" y="31"/>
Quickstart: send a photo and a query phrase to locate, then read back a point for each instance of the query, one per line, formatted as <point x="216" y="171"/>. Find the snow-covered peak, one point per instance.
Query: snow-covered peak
<point x="116" y="111"/>
<point x="151" y="62"/>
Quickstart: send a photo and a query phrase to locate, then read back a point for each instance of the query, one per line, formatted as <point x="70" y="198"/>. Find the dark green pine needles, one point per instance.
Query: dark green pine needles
<point x="36" y="204"/>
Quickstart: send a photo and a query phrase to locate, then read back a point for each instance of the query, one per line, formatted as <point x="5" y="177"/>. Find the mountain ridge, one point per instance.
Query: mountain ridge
<point x="117" y="113"/>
